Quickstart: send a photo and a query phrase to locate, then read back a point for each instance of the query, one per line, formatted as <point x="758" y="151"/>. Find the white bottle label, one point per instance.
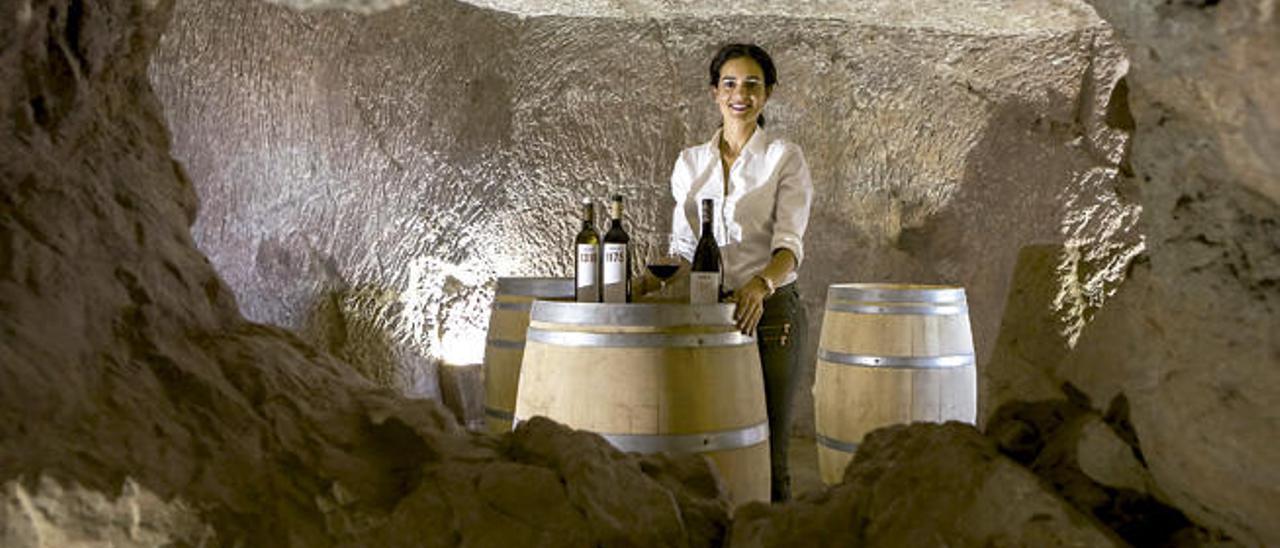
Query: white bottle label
<point x="615" y="273"/>
<point x="704" y="287"/>
<point x="588" y="287"/>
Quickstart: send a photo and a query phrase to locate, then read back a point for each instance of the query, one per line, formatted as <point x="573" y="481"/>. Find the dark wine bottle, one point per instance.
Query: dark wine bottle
<point x="617" y="256"/>
<point x="707" y="275"/>
<point x="586" y="252"/>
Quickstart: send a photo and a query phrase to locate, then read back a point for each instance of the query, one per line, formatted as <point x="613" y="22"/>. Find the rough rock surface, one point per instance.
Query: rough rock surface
<point x="925" y="485"/>
<point x="47" y="514"/>
<point x="1190" y="339"/>
<point x="970" y="17"/>
<point x="1095" y="463"/>
<point x="358" y="6"/>
<point x="364" y="179"/>
<point x="1033" y="340"/>
<point x="137" y="407"/>
<point x="1109" y="460"/>
<point x="1200" y="319"/>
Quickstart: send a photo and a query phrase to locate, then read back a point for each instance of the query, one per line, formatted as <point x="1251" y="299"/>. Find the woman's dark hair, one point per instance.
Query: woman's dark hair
<point x="752" y="51"/>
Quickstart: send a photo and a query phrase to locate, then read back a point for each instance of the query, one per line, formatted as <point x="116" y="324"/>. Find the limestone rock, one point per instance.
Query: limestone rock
<point x="1108" y="460"/>
<point x="1032" y="341"/>
<point x="1196" y="328"/>
<point x="1053" y="315"/>
<point x="622" y="504"/>
<point x="1189" y="338"/>
<point x="925" y="485"/>
<point x="358" y="6"/>
<point x="1071" y="447"/>
<point x="558" y="487"/>
<point x="138" y="407"/>
<point x="49" y="514"/>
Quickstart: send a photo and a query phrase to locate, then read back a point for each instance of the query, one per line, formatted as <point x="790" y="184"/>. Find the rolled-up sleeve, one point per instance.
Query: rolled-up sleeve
<point x="681" y="180"/>
<point x="791" y="209"/>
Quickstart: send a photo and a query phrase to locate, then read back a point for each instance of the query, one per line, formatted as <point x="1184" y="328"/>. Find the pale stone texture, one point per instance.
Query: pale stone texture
<point x="1108" y="460"/>
<point x="984" y="17"/>
<point x="1050" y="330"/>
<point x="358" y="6"/>
<point x="365" y="179"/>
<point x="925" y="485"/>
<point x="48" y="514"/>
<point x="1198" y="329"/>
<point x="137" y="407"/>
<point x="1190" y="339"/>
<point x="1094" y="462"/>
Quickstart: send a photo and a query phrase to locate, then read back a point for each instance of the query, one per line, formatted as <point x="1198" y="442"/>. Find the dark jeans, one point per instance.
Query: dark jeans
<point x="780" y="338"/>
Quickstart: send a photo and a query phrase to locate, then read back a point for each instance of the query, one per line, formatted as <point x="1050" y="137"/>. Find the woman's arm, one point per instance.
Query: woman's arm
<point x="791" y="206"/>
<point x="791" y="218"/>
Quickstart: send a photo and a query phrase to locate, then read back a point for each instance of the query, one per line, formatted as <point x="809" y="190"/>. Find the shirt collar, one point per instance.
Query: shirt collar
<point x="755" y="145"/>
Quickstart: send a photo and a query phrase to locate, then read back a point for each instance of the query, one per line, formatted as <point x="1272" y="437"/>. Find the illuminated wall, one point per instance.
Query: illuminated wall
<point x="365" y="179"/>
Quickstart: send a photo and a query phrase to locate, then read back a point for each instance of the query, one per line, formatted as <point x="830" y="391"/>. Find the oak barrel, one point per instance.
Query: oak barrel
<point x="652" y="378"/>
<point x="504" y="344"/>
<point x="889" y="354"/>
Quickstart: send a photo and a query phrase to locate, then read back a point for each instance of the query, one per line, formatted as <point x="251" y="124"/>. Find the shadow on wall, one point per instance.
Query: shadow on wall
<point x="1031" y="343"/>
<point x="1035" y="263"/>
<point x="1018" y="190"/>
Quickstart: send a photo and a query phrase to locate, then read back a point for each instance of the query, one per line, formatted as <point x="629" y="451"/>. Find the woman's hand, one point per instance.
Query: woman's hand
<point x="750" y="304"/>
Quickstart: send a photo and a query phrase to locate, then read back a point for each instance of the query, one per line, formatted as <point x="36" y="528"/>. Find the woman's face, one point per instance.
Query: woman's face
<point x="740" y="92"/>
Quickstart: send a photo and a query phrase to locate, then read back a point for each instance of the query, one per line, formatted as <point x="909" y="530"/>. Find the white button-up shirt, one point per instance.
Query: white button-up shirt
<point x="766" y="207"/>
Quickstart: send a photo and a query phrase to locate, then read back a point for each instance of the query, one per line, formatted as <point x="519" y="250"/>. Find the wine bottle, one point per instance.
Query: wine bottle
<point x="617" y="256"/>
<point x="586" y="252"/>
<point x="707" y="275"/>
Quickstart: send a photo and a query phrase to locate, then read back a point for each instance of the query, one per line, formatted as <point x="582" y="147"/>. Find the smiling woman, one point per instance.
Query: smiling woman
<point x="759" y="191"/>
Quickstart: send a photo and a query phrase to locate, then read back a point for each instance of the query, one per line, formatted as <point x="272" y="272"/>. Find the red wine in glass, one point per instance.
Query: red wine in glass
<point x="662" y="259"/>
<point x="663" y="271"/>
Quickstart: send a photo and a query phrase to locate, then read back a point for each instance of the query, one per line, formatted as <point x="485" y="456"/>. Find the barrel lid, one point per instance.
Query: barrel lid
<point x="896" y="293"/>
<point x="632" y="314"/>
<point x="536" y="287"/>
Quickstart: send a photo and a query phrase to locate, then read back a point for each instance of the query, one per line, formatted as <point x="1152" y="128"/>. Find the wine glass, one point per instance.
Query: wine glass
<point x="662" y="259"/>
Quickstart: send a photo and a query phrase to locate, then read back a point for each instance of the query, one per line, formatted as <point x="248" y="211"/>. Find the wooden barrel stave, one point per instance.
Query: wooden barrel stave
<point x="676" y="387"/>
<point x="504" y="343"/>
<point x="887" y="359"/>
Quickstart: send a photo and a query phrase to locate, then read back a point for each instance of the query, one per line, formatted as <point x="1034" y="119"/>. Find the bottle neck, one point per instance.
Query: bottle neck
<point x="708" y="216"/>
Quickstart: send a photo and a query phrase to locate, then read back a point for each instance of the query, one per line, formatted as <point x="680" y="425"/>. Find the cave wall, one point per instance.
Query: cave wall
<point x="1194" y="333"/>
<point x="1188" y="346"/>
<point x="139" y="408"/>
<point x="365" y="179"/>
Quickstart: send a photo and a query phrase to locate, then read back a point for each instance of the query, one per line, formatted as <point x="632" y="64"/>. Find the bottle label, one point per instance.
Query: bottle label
<point x="704" y="287"/>
<point x="588" y="286"/>
<point x="615" y="273"/>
